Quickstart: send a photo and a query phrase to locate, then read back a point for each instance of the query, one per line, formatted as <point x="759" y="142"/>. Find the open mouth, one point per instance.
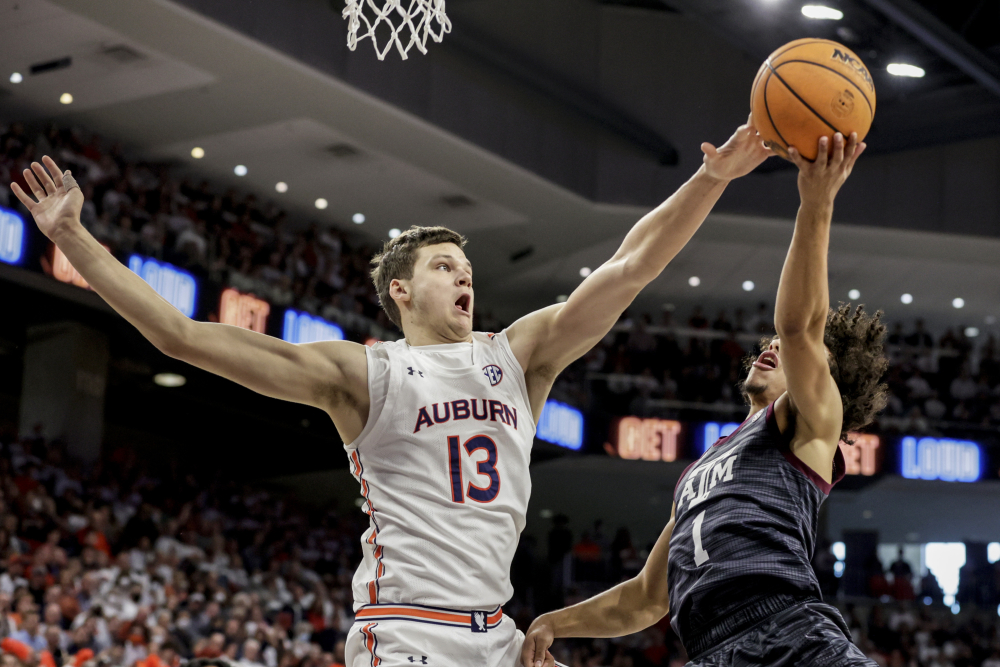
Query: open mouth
<point x="463" y="303"/>
<point x="767" y="361"/>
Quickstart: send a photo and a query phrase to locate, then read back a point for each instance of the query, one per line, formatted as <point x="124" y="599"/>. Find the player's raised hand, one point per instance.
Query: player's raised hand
<point x="741" y="154"/>
<point x="820" y="180"/>
<point x="535" y="650"/>
<point x="59" y="197"/>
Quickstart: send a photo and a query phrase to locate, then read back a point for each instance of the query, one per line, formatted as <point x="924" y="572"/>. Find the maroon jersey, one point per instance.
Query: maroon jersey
<point x="745" y="526"/>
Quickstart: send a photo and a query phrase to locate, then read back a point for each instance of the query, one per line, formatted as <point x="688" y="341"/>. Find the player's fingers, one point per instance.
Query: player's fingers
<point x="796" y="157"/>
<point x="541" y="652"/>
<point x="68" y="181"/>
<point x="837" y="157"/>
<point x="36" y="189"/>
<point x="709" y="150"/>
<point x="822" y="152"/>
<point x="44" y="178"/>
<point x="25" y="198"/>
<point x="550" y="660"/>
<point x="53" y="168"/>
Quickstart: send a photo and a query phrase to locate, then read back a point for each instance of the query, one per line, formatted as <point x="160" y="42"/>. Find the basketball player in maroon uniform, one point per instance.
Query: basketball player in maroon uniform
<point x="738" y="583"/>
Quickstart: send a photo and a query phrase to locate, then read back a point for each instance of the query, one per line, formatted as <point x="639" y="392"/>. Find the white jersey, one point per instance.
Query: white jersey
<point x="443" y="467"/>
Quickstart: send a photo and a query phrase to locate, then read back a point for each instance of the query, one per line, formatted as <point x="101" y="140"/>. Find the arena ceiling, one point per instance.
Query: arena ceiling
<point x="544" y="129"/>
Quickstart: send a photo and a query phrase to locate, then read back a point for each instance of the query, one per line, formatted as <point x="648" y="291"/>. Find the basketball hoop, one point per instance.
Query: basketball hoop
<point x="423" y="19"/>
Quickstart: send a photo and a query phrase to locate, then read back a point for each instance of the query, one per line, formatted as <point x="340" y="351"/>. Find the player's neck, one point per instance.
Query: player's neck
<point x="757" y="403"/>
<point x="419" y="337"/>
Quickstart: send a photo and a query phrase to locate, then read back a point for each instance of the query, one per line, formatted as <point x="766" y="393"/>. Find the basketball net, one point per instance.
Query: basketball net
<point x="422" y="19"/>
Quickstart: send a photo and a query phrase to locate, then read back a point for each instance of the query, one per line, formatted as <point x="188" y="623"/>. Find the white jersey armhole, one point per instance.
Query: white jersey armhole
<point x="378" y="389"/>
<point x="504" y="344"/>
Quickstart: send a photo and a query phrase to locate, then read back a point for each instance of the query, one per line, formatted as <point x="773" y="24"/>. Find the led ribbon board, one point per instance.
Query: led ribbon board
<point x="243" y="310"/>
<point x="11" y="236"/>
<point x="947" y="460"/>
<point x="712" y="431"/>
<point x="175" y="285"/>
<point x="561" y="425"/>
<point x="304" y="328"/>
<point x="648" y="439"/>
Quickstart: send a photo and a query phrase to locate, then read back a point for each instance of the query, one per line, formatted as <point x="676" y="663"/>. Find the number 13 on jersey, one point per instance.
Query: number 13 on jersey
<point x="480" y="494"/>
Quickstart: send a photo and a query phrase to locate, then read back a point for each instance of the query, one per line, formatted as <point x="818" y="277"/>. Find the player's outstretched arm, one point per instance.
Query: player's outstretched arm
<point x="332" y="376"/>
<point x="629" y="607"/>
<point x="547" y="341"/>
<point x="803" y="301"/>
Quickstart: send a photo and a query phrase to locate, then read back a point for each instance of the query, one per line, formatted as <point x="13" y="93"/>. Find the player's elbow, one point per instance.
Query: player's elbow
<point x="635" y="271"/>
<point x="175" y="343"/>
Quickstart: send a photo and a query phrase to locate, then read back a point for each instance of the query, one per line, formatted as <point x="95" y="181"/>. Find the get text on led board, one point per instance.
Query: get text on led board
<point x="304" y="328"/>
<point x="648" y="439"/>
<point x="947" y="460"/>
<point x="243" y="310"/>
<point x="178" y="287"/>
<point x="11" y="236"/>
<point x="561" y="425"/>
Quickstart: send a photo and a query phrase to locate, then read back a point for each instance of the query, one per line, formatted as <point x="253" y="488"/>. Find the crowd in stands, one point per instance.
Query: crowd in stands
<point x="660" y="369"/>
<point x="229" y="238"/>
<point x="121" y="563"/>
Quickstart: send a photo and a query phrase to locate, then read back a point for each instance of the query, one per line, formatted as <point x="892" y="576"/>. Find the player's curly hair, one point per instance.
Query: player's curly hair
<point x="397" y="258"/>
<point x="856" y="342"/>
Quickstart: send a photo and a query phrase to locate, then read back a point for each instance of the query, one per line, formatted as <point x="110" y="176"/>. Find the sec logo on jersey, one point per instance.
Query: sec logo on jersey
<point x="494" y="374"/>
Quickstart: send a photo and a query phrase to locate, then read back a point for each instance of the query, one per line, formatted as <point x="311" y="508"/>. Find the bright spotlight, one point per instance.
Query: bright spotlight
<point x="322" y="203"/>
<point x="394" y="232"/>
<point x="281" y="187"/>
<point x="748" y="285"/>
<point x="854" y="294"/>
<point x="822" y="12"/>
<point x="902" y="69"/>
<point x="66" y="98"/>
<point x="562" y="298"/>
<point x="240" y="170"/>
<point x="694" y="281"/>
<point x="197" y="152"/>
<point x="16" y="77"/>
<point x="971" y="332"/>
<point x="907" y="299"/>
<point x="958" y="302"/>
<point x="359" y="218"/>
<point x="584" y="272"/>
<point x="169" y="380"/>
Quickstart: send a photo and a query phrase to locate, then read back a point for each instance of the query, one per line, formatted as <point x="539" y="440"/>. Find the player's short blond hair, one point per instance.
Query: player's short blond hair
<point x="397" y="258"/>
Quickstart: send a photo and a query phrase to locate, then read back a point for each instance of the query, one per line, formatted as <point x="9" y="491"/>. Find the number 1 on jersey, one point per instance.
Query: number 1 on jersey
<point x="481" y="494"/>
<point x="700" y="555"/>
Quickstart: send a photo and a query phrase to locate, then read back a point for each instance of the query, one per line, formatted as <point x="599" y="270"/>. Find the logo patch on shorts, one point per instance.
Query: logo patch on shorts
<point x="494" y="374"/>
<point x="479" y="621"/>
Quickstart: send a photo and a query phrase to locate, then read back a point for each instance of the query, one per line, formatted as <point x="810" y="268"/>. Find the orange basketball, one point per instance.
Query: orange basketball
<point x="811" y="88"/>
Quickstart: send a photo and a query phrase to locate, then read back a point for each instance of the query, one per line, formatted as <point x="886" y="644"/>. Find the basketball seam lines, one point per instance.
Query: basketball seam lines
<point x="804" y="103"/>
<point x="767" y="108"/>
<point x="871" y="112"/>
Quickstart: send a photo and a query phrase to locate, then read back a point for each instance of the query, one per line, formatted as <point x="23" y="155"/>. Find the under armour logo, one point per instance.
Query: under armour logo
<point x="422" y="659"/>
<point x="479" y="621"/>
<point x="412" y="371"/>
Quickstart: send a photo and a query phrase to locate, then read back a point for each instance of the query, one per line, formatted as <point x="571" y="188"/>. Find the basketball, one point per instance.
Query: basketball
<point x="811" y="88"/>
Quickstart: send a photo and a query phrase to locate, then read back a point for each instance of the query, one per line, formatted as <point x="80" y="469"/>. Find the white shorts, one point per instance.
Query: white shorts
<point x="387" y="635"/>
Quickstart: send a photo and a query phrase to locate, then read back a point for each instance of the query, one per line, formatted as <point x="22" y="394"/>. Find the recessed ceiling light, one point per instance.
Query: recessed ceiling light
<point x="748" y="285"/>
<point x="903" y="69"/>
<point x="240" y="170"/>
<point x="281" y="187"/>
<point x="322" y="203"/>
<point x="66" y="98"/>
<point x="990" y="319"/>
<point x="694" y="281"/>
<point x="16" y="77"/>
<point x="562" y="298"/>
<point x="958" y="302"/>
<point x="169" y="380"/>
<point x="358" y="218"/>
<point x="907" y="299"/>
<point x="854" y="294"/>
<point x="822" y="12"/>
<point x="971" y="332"/>
<point x="584" y="272"/>
<point x="197" y="152"/>
<point x="394" y="232"/>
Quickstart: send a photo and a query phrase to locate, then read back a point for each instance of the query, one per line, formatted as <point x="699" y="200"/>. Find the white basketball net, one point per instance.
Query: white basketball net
<point x="420" y="20"/>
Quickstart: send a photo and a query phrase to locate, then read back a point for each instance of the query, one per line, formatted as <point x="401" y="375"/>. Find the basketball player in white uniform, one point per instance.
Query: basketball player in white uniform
<point x="439" y="425"/>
